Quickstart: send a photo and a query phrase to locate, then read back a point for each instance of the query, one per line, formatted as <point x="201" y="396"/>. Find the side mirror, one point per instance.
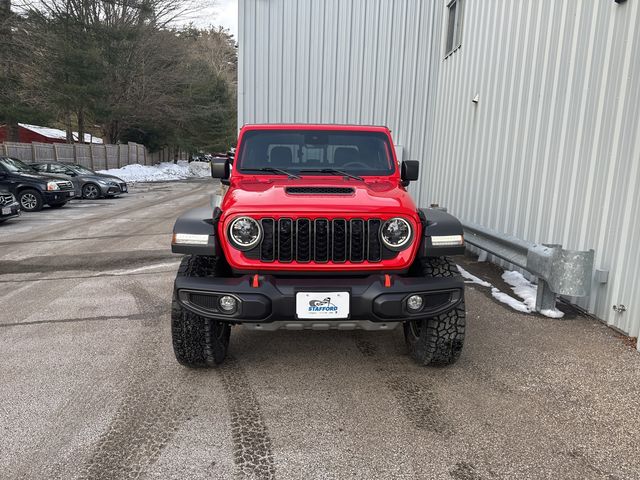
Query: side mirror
<point x="409" y="171"/>
<point x="71" y="173"/>
<point x="221" y="169"/>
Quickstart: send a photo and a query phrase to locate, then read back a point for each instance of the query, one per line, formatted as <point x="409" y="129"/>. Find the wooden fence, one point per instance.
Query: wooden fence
<point x="94" y="156"/>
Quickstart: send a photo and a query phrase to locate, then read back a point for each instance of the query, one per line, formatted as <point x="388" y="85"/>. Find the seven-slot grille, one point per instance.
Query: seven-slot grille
<point x="321" y="240"/>
<point x="6" y="199"/>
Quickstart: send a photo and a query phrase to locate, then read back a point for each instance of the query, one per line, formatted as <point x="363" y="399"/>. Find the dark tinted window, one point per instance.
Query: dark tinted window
<point x="41" y="167"/>
<point x="15" y="165"/>
<point x="359" y="153"/>
<point x="58" y="168"/>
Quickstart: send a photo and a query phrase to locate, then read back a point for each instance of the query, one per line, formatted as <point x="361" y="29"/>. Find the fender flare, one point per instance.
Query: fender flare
<point x="198" y="221"/>
<point x="439" y="223"/>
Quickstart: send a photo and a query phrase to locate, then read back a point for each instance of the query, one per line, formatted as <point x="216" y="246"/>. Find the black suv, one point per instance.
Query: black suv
<point x="33" y="189"/>
<point x="8" y="205"/>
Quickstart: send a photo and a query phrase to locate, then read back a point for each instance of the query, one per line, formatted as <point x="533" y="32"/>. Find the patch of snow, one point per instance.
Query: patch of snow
<point x="161" y="172"/>
<point x="552" y="313"/>
<point x="472" y="277"/>
<point x="509" y="300"/>
<point x="528" y="292"/>
<point x="522" y="287"/>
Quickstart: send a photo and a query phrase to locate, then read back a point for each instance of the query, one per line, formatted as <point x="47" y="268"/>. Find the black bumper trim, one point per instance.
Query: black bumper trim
<point x="274" y="298"/>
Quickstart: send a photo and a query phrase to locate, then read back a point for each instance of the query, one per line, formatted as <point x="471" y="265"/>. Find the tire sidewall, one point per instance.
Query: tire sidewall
<point x="90" y="185"/>
<point x="39" y="203"/>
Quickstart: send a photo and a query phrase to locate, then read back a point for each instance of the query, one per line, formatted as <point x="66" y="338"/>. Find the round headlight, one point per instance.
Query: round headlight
<point x="245" y="233"/>
<point x="396" y="233"/>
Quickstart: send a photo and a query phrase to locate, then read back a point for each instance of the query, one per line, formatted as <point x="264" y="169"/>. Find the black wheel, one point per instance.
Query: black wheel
<point x="438" y="340"/>
<point x="30" y="200"/>
<point x="57" y="205"/>
<point x="90" y="191"/>
<point x="197" y="341"/>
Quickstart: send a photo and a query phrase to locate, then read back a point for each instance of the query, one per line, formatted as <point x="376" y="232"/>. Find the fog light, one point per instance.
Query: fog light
<point x="414" y="303"/>
<point x="228" y="304"/>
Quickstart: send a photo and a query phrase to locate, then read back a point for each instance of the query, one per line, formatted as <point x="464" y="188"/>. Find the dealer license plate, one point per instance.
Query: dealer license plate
<point x="322" y="305"/>
<point x="6" y="211"/>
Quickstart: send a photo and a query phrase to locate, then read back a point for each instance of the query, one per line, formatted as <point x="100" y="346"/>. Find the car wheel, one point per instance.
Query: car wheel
<point x="30" y="200"/>
<point x="57" y="205"/>
<point x="438" y="340"/>
<point x="90" y="191"/>
<point x="197" y="341"/>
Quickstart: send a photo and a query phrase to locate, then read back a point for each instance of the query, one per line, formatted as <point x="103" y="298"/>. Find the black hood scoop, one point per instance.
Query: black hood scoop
<point x="319" y="190"/>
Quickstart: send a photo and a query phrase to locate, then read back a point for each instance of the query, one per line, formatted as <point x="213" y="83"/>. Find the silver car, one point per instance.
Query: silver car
<point x="88" y="184"/>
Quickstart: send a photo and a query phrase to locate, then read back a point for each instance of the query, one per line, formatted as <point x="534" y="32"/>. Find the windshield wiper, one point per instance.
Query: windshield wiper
<point x="272" y="170"/>
<point x="334" y="171"/>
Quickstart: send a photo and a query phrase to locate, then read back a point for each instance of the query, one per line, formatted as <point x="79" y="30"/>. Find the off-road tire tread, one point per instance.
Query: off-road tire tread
<point x="441" y="338"/>
<point x="194" y="341"/>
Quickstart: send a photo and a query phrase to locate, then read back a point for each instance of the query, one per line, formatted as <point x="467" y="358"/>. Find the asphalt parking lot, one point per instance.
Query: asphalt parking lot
<point x="89" y="387"/>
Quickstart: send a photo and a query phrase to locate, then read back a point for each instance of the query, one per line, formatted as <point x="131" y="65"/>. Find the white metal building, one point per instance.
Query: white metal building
<point x="525" y="115"/>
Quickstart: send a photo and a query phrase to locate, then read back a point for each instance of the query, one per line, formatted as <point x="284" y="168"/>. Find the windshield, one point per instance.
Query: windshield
<point x="312" y="152"/>
<point x="81" y="170"/>
<point x="15" y="165"/>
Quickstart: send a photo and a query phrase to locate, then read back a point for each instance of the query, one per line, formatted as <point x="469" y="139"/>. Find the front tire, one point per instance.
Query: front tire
<point x="198" y="341"/>
<point x="90" y="191"/>
<point x="30" y="200"/>
<point x="438" y="340"/>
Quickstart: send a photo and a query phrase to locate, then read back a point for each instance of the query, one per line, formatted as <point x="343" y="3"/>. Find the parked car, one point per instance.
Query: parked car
<point x="317" y="230"/>
<point x="9" y="207"/>
<point x="87" y="183"/>
<point x="34" y="189"/>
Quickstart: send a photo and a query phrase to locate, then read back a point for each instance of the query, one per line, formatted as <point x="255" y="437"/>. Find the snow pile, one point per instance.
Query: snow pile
<point x="522" y="287"/>
<point x="527" y="291"/>
<point x="161" y="172"/>
<point x="472" y="278"/>
<point x="509" y="300"/>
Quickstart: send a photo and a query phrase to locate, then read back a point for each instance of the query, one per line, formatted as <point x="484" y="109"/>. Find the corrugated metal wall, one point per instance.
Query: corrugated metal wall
<point x="551" y="152"/>
<point x="339" y="61"/>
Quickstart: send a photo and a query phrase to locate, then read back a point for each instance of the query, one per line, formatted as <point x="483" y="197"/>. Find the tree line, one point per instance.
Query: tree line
<point x="118" y="68"/>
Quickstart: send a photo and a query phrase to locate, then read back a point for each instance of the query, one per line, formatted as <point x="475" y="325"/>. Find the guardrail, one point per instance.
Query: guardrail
<point x="559" y="271"/>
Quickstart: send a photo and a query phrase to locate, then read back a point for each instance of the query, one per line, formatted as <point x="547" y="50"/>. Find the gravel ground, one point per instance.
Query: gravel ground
<point x="89" y="387"/>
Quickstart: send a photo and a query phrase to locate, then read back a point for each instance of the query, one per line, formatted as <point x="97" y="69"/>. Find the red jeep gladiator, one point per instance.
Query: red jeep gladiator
<point x="316" y="231"/>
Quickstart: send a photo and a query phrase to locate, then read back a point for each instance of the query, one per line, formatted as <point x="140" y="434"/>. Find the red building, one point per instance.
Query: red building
<point x="34" y="133"/>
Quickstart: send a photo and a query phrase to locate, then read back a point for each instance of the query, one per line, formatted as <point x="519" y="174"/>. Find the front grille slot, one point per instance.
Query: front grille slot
<point x="6" y="199"/>
<point x="375" y="248"/>
<point x="64" y="185"/>
<point x="321" y="240"/>
<point x="268" y="246"/>
<point x="303" y="240"/>
<point x="285" y="240"/>
<point x="339" y="240"/>
<point x="356" y="241"/>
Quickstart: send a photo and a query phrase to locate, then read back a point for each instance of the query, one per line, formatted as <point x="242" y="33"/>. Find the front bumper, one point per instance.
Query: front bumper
<point x="112" y="189"/>
<point x="58" y="196"/>
<point x="9" y="211"/>
<point x="274" y="298"/>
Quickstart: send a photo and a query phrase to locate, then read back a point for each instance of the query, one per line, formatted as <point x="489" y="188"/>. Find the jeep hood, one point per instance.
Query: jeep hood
<point x="317" y="195"/>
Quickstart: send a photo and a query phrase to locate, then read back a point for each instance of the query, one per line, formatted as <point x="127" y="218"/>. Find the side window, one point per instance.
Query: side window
<point x="57" y="169"/>
<point x="454" y="26"/>
<point x="40" y="167"/>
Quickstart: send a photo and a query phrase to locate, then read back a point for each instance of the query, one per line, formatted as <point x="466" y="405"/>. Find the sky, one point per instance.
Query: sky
<point x="225" y="13"/>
